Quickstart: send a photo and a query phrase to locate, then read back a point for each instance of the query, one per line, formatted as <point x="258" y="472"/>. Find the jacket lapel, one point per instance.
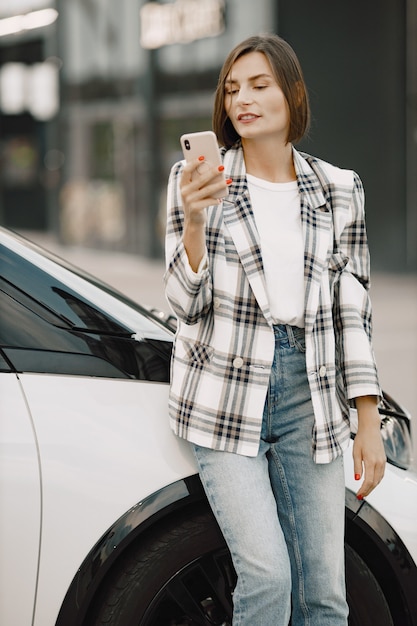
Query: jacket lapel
<point x="240" y="221"/>
<point x="316" y="218"/>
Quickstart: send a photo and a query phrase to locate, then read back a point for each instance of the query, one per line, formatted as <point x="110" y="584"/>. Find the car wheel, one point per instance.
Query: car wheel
<point x="181" y="574"/>
<point x="367" y="603"/>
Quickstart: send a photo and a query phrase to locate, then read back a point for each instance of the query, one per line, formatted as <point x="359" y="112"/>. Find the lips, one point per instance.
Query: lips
<point x="247" y="117"/>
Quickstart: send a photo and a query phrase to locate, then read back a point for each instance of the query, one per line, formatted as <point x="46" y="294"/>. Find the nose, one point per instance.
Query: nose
<point x="244" y="95"/>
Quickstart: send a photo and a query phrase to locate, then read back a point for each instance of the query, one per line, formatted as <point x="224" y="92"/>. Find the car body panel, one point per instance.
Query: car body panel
<point x="97" y="462"/>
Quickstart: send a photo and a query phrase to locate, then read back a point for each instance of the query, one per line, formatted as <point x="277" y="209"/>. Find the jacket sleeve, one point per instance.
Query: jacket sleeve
<point x="352" y="306"/>
<point x="189" y="293"/>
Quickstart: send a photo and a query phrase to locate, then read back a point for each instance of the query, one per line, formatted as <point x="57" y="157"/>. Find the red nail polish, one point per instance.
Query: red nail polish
<point x="201" y="158"/>
<point x="229" y="181"/>
<point x="359" y="496"/>
<point x="357" y="476"/>
<point x="221" y="168"/>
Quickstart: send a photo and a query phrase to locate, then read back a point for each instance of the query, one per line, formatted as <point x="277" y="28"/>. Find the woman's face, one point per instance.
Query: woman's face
<point x="254" y="101"/>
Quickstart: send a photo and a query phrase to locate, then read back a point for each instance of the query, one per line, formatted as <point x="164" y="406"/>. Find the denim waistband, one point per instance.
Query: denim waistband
<point x="285" y="331"/>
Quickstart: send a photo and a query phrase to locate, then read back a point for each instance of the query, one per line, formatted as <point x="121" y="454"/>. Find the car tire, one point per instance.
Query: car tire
<point x="181" y="574"/>
<point x="367" y="603"/>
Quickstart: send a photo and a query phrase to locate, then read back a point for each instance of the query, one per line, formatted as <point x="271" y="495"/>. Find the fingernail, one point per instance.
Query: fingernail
<point x="357" y="476"/>
<point x="229" y="181"/>
<point x="221" y="168"/>
<point x="359" y="496"/>
<point x="201" y="158"/>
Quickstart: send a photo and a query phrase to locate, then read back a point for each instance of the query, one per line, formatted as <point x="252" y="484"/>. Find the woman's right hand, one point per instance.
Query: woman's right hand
<point x="199" y="184"/>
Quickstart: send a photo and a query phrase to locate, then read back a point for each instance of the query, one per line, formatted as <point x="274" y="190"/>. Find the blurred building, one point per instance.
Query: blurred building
<point x="92" y="164"/>
<point x="29" y="102"/>
<point x="135" y="76"/>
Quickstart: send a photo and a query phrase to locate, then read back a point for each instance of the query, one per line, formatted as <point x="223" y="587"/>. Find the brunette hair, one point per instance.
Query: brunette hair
<point x="288" y="74"/>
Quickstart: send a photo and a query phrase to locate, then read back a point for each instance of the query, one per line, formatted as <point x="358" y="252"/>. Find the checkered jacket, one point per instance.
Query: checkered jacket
<point x="224" y="346"/>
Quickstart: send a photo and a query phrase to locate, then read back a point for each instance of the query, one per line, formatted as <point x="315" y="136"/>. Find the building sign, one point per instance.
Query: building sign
<point x="181" y="21"/>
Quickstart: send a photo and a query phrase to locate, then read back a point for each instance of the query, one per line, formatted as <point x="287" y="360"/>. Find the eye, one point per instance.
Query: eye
<point x="231" y="92"/>
<point x="259" y="87"/>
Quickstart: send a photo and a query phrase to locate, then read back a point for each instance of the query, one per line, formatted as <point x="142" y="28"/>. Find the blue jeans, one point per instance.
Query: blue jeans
<point x="281" y="514"/>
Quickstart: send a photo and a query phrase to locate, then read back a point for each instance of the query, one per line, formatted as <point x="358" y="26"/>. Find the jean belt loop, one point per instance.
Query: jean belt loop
<point x="290" y="333"/>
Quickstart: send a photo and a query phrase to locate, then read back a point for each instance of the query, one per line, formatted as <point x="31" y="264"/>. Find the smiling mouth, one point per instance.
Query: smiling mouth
<point x="247" y="117"/>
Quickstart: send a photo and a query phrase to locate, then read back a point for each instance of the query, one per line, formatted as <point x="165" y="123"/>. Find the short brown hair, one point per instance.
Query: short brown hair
<point x="288" y="74"/>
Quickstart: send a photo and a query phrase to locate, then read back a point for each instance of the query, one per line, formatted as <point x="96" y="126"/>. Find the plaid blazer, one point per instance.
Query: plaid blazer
<point x="224" y="346"/>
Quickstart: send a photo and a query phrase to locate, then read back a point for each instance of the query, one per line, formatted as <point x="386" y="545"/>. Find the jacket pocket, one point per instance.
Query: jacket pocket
<point x="338" y="262"/>
<point x="195" y="353"/>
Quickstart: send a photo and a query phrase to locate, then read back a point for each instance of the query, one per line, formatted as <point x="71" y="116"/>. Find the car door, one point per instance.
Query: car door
<point x="20" y="503"/>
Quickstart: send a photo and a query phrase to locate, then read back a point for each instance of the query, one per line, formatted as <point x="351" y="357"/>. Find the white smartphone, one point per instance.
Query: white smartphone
<point x="203" y="144"/>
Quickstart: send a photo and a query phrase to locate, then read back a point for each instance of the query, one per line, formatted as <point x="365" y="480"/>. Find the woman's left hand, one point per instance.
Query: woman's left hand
<point x="368" y="449"/>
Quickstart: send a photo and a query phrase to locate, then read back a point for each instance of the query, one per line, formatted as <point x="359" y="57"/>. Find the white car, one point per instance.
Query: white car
<point x="102" y="515"/>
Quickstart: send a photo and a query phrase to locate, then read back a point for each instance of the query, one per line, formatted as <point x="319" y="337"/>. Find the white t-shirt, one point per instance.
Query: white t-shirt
<point x="276" y="207"/>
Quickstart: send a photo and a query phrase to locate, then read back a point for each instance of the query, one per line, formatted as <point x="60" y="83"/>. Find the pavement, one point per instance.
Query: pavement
<point x="394" y="300"/>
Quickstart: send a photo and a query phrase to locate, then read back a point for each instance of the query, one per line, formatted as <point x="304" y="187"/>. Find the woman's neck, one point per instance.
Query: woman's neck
<point x="269" y="161"/>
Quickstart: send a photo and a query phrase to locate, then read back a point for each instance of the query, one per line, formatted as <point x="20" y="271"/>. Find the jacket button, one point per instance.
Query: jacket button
<point x="322" y="370"/>
<point x="238" y="362"/>
<point x="216" y="303"/>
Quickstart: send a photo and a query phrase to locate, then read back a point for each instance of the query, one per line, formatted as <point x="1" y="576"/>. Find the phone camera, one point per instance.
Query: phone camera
<point x="187" y="144"/>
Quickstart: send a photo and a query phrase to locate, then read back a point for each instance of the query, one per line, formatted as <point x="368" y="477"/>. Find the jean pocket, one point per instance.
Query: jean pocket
<point x="300" y="343"/>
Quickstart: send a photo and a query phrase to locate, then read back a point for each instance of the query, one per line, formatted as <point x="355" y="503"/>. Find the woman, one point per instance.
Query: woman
<point x="273" y="343"/>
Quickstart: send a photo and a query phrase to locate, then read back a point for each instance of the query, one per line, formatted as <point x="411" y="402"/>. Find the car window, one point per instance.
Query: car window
<point x="47" y="326"/>
<point x="33" y="342"/>
<point x="48" y="294"/>
<point x="69" y="292"/>
<point x="4" y="365"/>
